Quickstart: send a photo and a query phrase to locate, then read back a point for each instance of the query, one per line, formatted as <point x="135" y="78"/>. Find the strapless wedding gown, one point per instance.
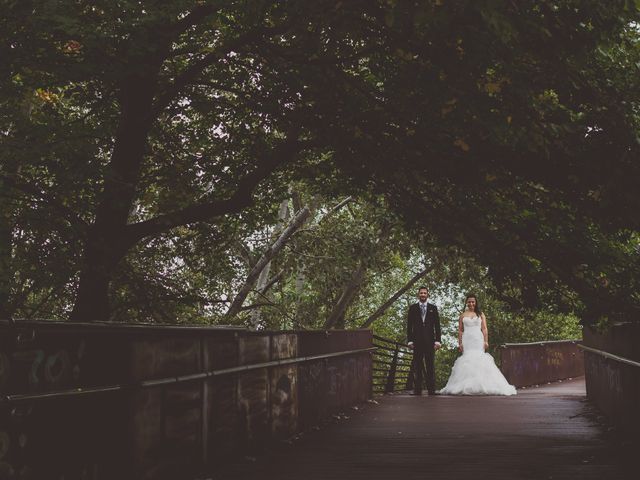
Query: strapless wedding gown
<point x="475" y="372"/>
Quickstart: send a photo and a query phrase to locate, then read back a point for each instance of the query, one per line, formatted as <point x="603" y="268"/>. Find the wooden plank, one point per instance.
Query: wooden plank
<point x="540" y="433"/>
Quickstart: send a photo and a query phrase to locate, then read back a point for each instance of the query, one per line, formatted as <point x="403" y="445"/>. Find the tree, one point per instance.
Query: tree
<point x="144" y="119"/>
<point x="151" y="81"/>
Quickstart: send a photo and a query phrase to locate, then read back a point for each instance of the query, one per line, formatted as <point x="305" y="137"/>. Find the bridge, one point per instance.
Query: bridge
<point x="101" y="401"/>
<point x="544" y="432"/>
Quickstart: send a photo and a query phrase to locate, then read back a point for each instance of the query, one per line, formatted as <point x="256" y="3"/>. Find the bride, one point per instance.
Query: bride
<point x="475" y="372"/>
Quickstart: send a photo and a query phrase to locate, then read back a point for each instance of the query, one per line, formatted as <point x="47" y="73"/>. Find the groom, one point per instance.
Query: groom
<point x="423" y="337"/>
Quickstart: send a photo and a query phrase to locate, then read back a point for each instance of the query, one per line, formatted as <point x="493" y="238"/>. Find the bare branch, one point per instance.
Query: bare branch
<point x="336" y="208"/>
<point x="336" y="317"/>
<point x="348" y="293"/>
<point x="275" y="279"/>
<point x="240" y="199"/>
<point x="295" y="223"/>
<point x="383" y="308"/>
<point x="254" y="306"/>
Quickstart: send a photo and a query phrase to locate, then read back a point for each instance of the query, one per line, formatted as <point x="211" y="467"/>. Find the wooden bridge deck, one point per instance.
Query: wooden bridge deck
<point x="542" y="433"/>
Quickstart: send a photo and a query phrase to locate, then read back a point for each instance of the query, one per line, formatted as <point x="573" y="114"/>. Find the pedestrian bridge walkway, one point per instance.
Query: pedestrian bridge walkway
<point x="549" y="432"/>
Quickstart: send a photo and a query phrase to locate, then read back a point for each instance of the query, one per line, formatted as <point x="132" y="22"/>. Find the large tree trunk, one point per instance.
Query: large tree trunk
<point x="109" y="237"/>
<point x="99" y="259"/>
<point x="106" y="241"/>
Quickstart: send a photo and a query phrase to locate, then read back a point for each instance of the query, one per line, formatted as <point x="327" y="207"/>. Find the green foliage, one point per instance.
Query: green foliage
<point x="147" y="147"/>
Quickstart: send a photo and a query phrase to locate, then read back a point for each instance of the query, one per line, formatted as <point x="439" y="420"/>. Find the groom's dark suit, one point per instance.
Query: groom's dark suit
<point x="423" y="334"/>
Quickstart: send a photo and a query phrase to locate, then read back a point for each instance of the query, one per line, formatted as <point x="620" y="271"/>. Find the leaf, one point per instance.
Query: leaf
<point x="461" y="144"/>
<point x="389" y="18"/>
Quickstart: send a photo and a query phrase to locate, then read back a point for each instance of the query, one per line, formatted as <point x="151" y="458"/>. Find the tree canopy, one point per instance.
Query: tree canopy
<point x="148" y="149"/>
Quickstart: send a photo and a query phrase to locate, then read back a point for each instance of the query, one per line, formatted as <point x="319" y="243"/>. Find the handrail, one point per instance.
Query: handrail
<point x="178" y="379"/>
<point x="542" y="343"/>
<point x="396" y="354"/>
<point x="610" y="355"/>
<point x="387" y="340"/>
<point x="112" y="327"/>
<point x="382" y="347"/>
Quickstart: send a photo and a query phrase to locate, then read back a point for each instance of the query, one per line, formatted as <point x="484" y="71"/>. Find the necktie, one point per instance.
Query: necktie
<point x="423" y="311"/>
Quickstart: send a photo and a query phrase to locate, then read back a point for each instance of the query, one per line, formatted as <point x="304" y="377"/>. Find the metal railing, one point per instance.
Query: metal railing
<point x="610" y="356"/>
<point x="391" y="366"/>
<point x="199" y="376"/>
<point x="541" y="343"/>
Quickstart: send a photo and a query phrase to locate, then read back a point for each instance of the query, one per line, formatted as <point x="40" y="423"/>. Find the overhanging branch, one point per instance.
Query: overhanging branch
<point x="239" y="200"/>
<point x="271" y="252"/>
<point x="383" y="308"/>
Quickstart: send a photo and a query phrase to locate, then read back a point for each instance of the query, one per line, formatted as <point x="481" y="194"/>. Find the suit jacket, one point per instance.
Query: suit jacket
<point x="423" y="335"/>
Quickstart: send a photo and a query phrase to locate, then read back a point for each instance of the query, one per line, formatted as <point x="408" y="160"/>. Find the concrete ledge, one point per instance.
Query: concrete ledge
<point x="612" y="364"/>
<point x="525" y="364"/>
<point x="165" y="402"/>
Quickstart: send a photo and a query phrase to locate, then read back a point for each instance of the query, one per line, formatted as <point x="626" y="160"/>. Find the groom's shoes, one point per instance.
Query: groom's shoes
<point x="433" y="393"/>
<point x="416" y="393"/>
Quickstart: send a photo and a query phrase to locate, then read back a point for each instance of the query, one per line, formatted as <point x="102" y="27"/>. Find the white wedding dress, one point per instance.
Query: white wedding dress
<point x="475" y="372"/>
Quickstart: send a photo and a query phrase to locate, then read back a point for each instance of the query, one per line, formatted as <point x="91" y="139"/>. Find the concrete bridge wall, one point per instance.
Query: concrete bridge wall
<point x="525" y="364"/>
<point x="98" y="401"/>
<point x="612" y="363"/>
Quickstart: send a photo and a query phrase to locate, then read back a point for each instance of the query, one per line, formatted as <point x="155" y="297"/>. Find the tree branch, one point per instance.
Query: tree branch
<point x="336" y="317"/>
<point x="349" y="291"/>
<point x="191" y="73"/>
<point x="295" y="223"/>
<point x="263" y="278"/>
<point x="383" y="308"/>
<point x="277" y="277"/>
<point x="336" y="208"/>
<point x="50" y="201"/>
<point x="239" y="200"/>
<point x="254" y="306"/>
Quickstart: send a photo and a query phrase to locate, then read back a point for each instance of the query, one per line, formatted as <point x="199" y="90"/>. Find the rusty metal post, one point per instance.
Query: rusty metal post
<point x="391" y="378"/>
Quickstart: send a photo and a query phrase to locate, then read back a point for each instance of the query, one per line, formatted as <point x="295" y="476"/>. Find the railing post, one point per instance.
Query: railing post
<point x="391" y="379"/>
<point x="410" y="382"/>
<point x="391" y="359"/>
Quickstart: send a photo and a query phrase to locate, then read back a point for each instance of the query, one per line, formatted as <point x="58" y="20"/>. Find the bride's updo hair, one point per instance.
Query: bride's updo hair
<point x="477" y="309"/>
